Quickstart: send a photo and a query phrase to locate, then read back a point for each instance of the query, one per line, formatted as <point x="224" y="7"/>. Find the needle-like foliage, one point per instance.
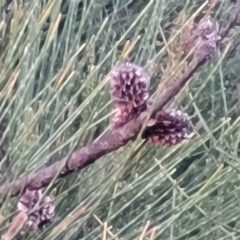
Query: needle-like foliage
<point x="55" y="100"/>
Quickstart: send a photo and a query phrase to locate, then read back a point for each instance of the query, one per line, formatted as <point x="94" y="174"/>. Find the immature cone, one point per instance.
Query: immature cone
<point x="44" y="211"/>
<point x="129" y="91"/>
<point x="209" y="38"/>
<point x="168" y="126"/>
<point x="204" y="38"/>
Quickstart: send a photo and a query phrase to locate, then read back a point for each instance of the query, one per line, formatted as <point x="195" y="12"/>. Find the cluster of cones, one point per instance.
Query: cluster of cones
<point x="129" y="91"/>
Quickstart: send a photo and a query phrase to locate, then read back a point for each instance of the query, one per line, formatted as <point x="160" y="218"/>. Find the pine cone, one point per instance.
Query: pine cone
<point x="129" y="91"/>
<point x="168" y="126"/>
<point x="43" y="214"/>
<point x="209" y="38"/>
<point x="204" y="38"/>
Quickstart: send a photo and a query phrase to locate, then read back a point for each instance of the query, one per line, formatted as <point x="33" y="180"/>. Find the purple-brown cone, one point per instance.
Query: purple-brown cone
<point x="208" y="33"/>
<point x="129" y="91"/>
<point x="168" y="126"/>
<point x="44" y="213"/>
<point x="205" y="37"/>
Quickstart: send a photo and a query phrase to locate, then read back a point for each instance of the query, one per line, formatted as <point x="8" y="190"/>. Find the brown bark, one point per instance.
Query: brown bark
<point x="112" y="139"/>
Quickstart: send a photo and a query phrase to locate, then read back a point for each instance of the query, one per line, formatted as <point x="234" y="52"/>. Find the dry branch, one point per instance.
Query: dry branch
<point x="112" y="139"/>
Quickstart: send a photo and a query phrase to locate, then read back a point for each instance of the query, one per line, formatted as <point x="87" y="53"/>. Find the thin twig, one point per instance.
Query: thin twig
<point x="144" y="230"/>
<point x="102" y="224"/>
<point x="104" y="231"/>
<point x="153" y="233"/>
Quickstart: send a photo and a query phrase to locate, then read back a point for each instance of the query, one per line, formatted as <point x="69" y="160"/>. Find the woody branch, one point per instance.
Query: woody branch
<point x="116" y="138"/>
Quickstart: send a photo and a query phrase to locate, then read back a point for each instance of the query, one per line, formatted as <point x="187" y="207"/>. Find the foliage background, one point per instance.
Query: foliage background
<point x="55" y="56"/>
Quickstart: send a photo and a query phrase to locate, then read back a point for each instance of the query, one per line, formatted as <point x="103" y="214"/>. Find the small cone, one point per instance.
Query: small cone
<point x="208" y="38"/>
<point x="204" y="38"/>
<point x="168" y="127"/>
<point x="129" y="91"/>
<point x="44" y="213"/>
